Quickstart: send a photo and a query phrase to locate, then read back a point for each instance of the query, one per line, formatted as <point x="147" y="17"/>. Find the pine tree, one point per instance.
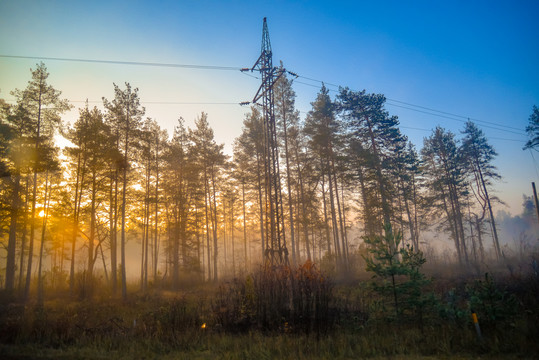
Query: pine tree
<point x="323" y="131"/>
<point x="374" y="135"/>
<point x="89" y="168"/>
<point x="43" y="106"/>
<point x="15" y="162"/>
<point x="127" y="113"/>
<point x="51" y="166"/>
<point x="179" y="175"/>
<point x="533" y="130"/>
<point x="398" y="269"/>
<point x="287" y="118"/>
<point x="249" y="153"/>
<point x="447" y="185"/>
<point x="209" y="157"/>
<point x="408" y="174"/>
<point x="479" y="155"/>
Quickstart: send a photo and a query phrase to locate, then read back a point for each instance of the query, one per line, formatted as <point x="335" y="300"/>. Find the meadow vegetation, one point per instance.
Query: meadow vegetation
<point x="288" y="313"/>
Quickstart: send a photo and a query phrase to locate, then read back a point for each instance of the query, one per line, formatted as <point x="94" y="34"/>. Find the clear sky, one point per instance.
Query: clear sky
<point x="477" y="59"/>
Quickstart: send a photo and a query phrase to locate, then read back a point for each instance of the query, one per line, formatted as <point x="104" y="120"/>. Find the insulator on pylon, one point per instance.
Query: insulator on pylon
<point x="292" y="73"/>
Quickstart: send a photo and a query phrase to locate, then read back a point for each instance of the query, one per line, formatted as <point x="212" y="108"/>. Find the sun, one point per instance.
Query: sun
<point x="41" y="213"/>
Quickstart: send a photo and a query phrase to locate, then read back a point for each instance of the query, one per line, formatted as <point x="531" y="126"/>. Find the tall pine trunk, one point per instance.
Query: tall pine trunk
<point x="124" y="200"/>
<point x="33" y="213"/>
<point x="24" y="233"/>
<point x="42" y="245"/>
<point x="12" y="241"/>
<point x="215" y="252"/>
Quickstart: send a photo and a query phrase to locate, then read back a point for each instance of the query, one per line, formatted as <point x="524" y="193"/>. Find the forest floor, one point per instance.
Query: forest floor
<point x="31" y="352"/>
<point x="219" y="350"/>
<point x="221" y="322"/>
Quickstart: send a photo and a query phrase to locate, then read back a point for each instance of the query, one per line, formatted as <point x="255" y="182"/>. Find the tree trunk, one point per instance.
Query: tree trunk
<point x="206" y="190"/>
<point x="33" y="213"/>
<point x="303" y="208"/>
<point x="289" y="188"/>
<point x="499" y="253"/>
<point x="215" y="252"/>
<point x="452" y="223"/>
<point x="23" y="236"/>
<point x="335" y="226"/>
<point x="113" y="218"/>
<point x="326" y="225"/>
<point x="91" y="240"/>
<point x="232" y="238"/>
<point x="12" y="242"/>
<point x="244" y="224"/>
<point x="42" y="246"/>
<point x="156" y="228"/>
<point x="340" y="213"/>
<point x="378" y="167"/>
<point x="76" y="209"/>
<point x="124" y="200"/>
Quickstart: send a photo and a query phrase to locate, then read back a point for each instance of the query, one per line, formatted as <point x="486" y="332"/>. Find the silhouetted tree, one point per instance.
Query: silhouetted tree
<point x="126" y="111"/>
<point x="533" y="130"/>
<point x="444" y="169"/>
<point x="479" y="155"/>
<point x="43" y="106"/>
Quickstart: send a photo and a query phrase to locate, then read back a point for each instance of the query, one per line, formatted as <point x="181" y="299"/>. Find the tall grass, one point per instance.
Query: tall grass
<point x="279" y="313"/>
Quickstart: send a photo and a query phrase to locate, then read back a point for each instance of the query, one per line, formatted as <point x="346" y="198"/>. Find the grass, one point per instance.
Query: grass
<point x="355" y="324"/>
<point x="254" y="346"/>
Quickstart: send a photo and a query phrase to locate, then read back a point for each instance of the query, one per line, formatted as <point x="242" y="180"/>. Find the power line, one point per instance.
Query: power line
<point x="430" y="130"/>
<point x="117" y="62"/>
<point x="504" y="139"/>
<point x="250" y="75"/>
<point x="451" y="118"/>
<point x="443" y="114"/>
<point x="155" y="102"/>
<point x="320" y="81"/>
<point x="412" y="107"/>
<point x="455" y="115"/>
<point x="413" y="128"/>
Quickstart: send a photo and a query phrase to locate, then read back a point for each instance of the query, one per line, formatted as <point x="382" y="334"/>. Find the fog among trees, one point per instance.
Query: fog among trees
<point x="127" y="203"/>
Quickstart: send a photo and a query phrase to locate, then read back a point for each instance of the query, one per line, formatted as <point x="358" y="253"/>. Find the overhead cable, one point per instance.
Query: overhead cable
<point x="439" y="113"/>
<point x="117" y="62"/>
<point x="410" y="106"/>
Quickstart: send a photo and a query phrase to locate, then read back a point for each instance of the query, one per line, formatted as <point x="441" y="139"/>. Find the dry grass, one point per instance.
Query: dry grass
<point x="285" y="314"/>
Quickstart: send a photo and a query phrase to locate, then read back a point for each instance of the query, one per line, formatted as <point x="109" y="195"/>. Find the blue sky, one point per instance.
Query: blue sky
<point x="476" y="59"/>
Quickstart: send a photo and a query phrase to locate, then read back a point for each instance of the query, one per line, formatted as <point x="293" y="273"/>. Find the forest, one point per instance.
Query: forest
<point x="133" y="235"/>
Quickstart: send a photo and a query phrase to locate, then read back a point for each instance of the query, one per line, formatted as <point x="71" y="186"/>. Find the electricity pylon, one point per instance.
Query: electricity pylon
<point x="275" y="252"/>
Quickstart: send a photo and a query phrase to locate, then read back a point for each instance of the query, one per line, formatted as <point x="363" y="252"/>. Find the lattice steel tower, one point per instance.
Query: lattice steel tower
<point x="275" y="252"/>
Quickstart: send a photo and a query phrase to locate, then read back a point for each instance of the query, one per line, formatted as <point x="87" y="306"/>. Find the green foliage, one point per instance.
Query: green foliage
<point x="398" y="271"/>
<point x="495" y="307"/>
<point x="453" y="308"/>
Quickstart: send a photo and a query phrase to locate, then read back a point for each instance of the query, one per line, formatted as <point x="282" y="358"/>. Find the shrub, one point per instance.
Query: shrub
<point x="276" y="298"/>
<point x="397" y="270"/>
<point x="495" y="307"/>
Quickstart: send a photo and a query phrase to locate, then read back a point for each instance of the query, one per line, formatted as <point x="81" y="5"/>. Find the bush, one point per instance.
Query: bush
<point x="276" y="298"/>
<point x="397" y="270"/>
<point x="495" y="307"/>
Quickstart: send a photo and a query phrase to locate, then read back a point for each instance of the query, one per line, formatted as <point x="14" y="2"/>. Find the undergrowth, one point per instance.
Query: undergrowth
<point x="279" y="314"/>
